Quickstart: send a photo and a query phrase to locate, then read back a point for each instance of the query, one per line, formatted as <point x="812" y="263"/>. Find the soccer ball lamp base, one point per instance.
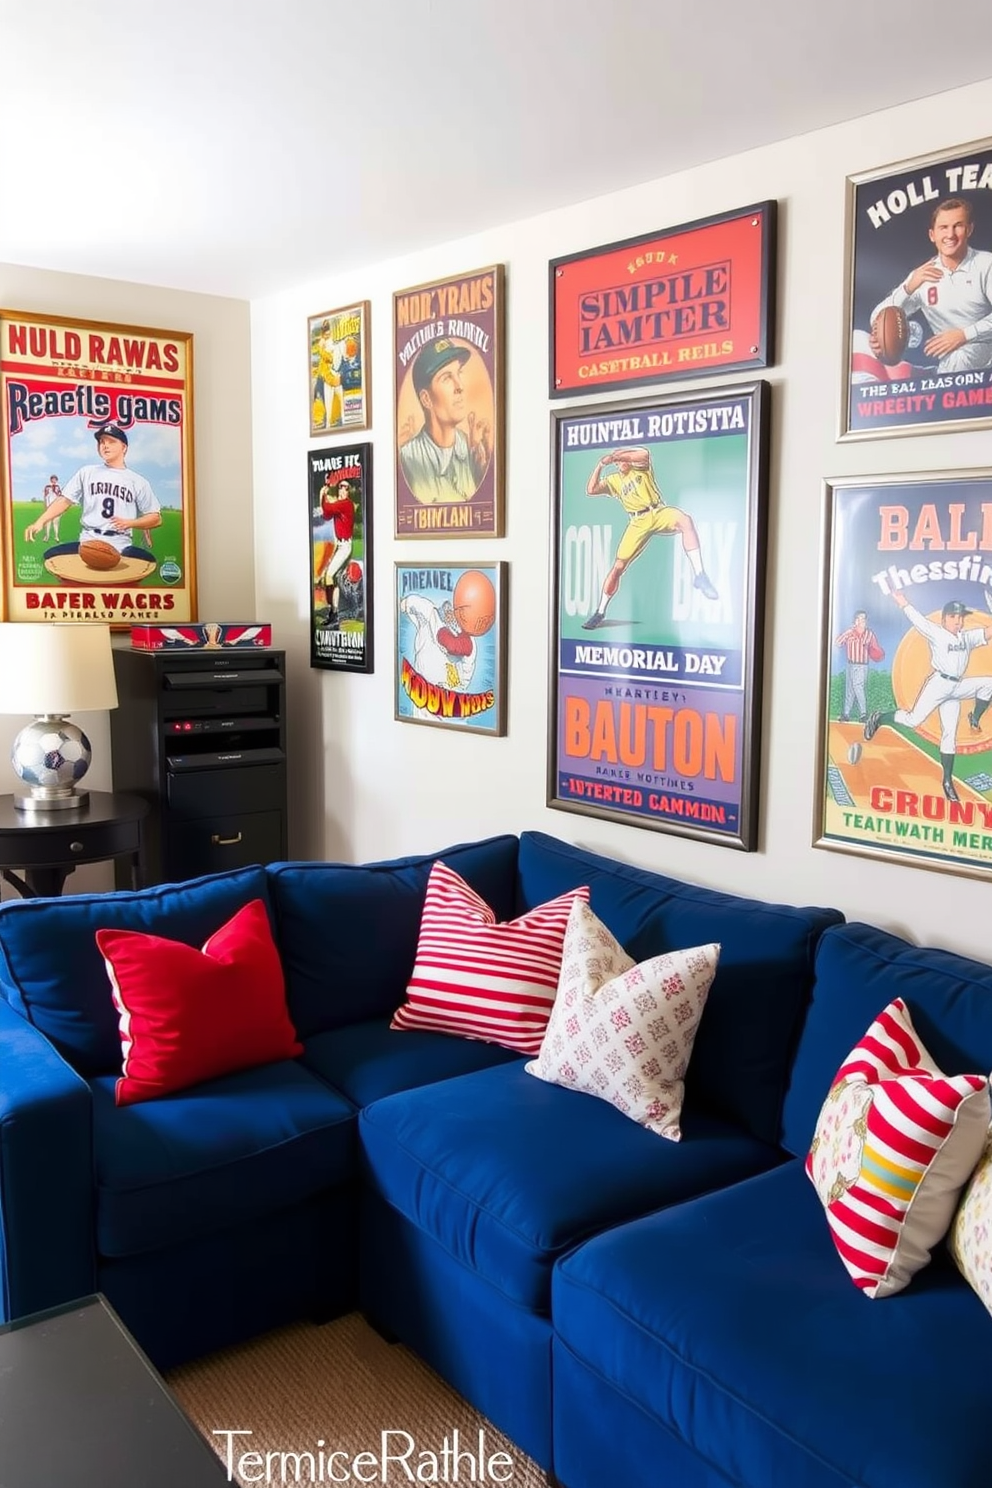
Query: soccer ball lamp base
<point x="51" y="755"/>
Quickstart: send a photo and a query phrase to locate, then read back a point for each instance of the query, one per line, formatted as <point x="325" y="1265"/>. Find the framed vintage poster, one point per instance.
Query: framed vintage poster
<point x="686" y="301"/>
<point x="97" y="471"/>
<point x="450" y="406"/>
<point x="658" y="600"/>
<point x="340" y="491"/>
<point x="340" y="369"/>
<point x="451" y="646"/>
<point x="918" y="355"/>
<point x="905" y="757"/>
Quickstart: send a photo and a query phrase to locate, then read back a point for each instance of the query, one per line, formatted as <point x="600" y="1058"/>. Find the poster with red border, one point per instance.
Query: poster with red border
<point x="96" y="471"/>
<point x="687" y="301"/>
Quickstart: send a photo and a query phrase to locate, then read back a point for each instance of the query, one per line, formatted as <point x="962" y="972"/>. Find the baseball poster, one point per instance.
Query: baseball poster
<point x="340" y="491"/>
<point x="658" y="604"/>
<point x="340" y="369"/>
<point x="450" y="406"/>
<point x="687" y="301"/>
<point x="451" y="646"/>
<point x="905" y="765"/>
<point x="97" y="471"/>
<point x="919" y="347"/>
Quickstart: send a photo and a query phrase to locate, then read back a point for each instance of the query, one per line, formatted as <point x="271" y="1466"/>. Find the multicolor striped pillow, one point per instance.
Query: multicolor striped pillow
<point x="483" y="980"/>
<point x="895" y="1143"/>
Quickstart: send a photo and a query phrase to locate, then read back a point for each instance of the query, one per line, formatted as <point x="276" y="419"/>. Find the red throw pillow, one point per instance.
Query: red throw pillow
<point x="483" y="980"/>
<point x="188" y="1015"/>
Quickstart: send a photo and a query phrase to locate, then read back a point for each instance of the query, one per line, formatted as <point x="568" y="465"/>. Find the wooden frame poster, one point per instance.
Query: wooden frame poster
<point x="918" y="355"/>
<point x="657" y="611"/>
<point x="451" y="628"/>
<point x="448" y="368"/>
<point x="97" y="471"/>
<point x="340" y="490"/>
<point x="340" y="369"/>
<point x="686" y="301"/>
<point x="905" y="758"/>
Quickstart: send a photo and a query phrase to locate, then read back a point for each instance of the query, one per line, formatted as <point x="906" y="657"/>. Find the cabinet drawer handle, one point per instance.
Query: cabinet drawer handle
<point x="219" y="841"/>
<point x="77" y="847"/>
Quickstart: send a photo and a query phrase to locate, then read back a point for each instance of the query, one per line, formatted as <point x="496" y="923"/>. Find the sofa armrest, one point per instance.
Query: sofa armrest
<point x="46" y="1174"/>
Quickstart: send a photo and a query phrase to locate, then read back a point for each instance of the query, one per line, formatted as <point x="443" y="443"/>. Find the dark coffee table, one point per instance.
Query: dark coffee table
<point x="82" y="1407"/>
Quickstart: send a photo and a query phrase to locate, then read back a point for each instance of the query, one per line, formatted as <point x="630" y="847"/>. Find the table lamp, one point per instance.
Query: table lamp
<point x="51" y="670"/>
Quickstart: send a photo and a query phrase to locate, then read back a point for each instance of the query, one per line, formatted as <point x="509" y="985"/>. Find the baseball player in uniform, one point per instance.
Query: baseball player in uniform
<point x="112" y="500"/>
<point x="946" y="687"/>
<point x="648" y="515"/>
<point x="952" y="290"/>
<point x="861" y="646"/>
<point x="335" y="531"/>
<point x="442" y="653"/>
<point x="52" y="489"/>
<point x="442" y="462"/>
<point x="327" y="379"/>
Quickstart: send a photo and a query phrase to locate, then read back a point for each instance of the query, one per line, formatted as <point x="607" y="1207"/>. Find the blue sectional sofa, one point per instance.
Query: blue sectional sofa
<point x="626" y="1308"/>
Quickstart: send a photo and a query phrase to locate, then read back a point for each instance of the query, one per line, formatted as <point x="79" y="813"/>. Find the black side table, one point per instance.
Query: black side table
<point x="48" y="845"/>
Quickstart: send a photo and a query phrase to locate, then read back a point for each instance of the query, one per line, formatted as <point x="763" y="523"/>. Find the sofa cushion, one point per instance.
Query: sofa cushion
<point x="507" y="1172"/>
<point x="329" y="917"/>
<point x="51" y="969"/>
<point x="478" y="977"/>
<point x="729" y="1322"/>
<point x="755" y="1007"/>
<point x="624" y="1032"/>
<point x="895" y="1143"/>
<point x="366" y="1061"/>
<point x="223" y="1153"/>
<point x="859" y="970"/>
<point x="188" y="1015"/>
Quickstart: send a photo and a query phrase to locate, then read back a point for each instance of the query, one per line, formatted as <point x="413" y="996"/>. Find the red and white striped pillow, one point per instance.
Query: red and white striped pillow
<point x="483" y="980"/>
<point x="895" y="1143"/>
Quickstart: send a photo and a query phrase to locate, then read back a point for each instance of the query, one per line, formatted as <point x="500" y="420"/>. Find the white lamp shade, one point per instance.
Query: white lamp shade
<point x="56" y="668"/>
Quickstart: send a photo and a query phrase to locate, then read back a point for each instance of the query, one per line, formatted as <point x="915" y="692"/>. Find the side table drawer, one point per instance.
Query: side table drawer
<point x="80" y="843"/>
<point x="212" y="844"/>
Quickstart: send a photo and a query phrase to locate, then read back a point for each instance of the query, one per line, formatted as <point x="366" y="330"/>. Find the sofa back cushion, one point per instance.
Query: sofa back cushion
<point x="748" y="1031"/>
<point x="859" y="971"/>
<point x="52" y="971"/>
<point x="348" y="932"/>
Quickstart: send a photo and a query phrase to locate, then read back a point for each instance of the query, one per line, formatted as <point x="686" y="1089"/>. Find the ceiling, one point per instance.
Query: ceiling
<point x="240" y="147"/>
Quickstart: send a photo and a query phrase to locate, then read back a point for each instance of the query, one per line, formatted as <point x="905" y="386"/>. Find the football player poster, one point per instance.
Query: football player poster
<point x="905" y="768"/>
<point x="450" y="621"/>
<point x="340" y="490"/>
<point x="449" y="384"/>
<point x="919" y="348"/>
<point x="96" y="471"/>
<point x="658" y="606"/>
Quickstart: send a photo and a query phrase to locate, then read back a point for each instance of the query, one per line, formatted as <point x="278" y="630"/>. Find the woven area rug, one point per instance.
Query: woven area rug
<point x="305" y="1392"/>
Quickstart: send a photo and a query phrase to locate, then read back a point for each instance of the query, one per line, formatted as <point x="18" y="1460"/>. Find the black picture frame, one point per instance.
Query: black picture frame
<point x="341" y="612"/>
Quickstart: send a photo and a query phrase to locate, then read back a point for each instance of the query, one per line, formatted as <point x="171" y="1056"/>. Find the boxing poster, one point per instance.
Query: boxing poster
<point x="918" y="354"/>
<point x="450" y="622"/>
<point x="905" y="767"/>
<point x="340" y="369"/>
<point x="687" y="301"/>
<point x="450" y="406"/>
<point x="96" y="466"/>
<point x="658" y="602"/>
<point x="340" y="491"/>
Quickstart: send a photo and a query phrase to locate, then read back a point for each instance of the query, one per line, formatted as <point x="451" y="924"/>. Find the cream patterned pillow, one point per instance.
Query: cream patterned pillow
<point x="623" y="1031"/>
<point x="970" y="1239"/>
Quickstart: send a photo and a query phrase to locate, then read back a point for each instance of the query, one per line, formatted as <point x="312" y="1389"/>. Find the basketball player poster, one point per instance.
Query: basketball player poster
<point x="451" y="646"/>
<point x="340" y="491"/>
<point x="340" y="369"/>
<point x="905" y="765"/>
<point x="918" y="357"/>
<point x="96" y="471"/>
<point x="658" y="599"/>
<point x="449" y="385"/>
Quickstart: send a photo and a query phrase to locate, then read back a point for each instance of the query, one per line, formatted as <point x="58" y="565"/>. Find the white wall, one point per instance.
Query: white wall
<point x="365" y="786"/>
<point x="222" y="458"/>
